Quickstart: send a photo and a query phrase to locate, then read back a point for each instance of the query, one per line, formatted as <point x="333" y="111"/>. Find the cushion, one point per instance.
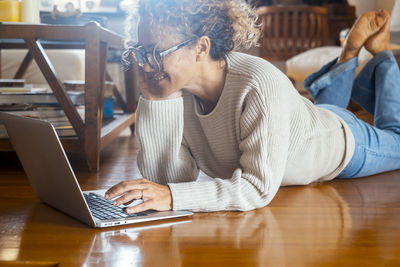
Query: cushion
<point x="69" y="65"/>
<point x="302" y="65"/>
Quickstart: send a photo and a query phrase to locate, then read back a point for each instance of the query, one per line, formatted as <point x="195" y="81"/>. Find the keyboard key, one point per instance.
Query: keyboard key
<point x="104" y="209"/>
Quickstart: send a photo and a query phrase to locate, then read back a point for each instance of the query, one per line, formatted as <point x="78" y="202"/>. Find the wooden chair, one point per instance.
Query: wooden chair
<point x="290" y="30"/>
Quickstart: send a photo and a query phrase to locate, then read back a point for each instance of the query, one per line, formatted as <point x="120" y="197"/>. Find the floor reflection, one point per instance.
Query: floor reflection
<point x="321" y="224"/>
<point x="375" y="211"/>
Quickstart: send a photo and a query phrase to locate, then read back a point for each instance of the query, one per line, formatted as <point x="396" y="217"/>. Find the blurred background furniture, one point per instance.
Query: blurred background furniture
<point x="302" y="65"/>
<point x="290" y="30"/>
<point x="299" y="67"/>
<point x="96" y="41"/>
<point x="341" y="14"/>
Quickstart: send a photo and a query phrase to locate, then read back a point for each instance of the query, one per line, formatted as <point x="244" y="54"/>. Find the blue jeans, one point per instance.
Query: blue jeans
<point x="377" y="90"/>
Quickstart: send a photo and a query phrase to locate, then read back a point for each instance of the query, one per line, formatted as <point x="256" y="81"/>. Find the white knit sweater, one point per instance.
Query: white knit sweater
<point x="261" y="135"/>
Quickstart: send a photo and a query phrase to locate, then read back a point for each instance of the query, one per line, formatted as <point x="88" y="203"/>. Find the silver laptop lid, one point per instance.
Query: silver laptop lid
<point x="46" y="165"/>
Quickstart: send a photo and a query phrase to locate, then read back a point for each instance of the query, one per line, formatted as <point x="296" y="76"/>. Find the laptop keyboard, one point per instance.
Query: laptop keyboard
<point x="104" y="209"/>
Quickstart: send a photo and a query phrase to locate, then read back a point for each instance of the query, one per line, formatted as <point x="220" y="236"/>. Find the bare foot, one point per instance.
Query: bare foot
<point x="366" y="26"/>
<point x="380" y="41"/>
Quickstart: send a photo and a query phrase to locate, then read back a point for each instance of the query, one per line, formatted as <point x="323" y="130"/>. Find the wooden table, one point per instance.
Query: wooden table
<point x="91" y="136"/>
<point x="338" y="223"/>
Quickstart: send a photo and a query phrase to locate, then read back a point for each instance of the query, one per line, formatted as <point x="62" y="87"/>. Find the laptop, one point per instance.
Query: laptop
<point x="54" y="182"/>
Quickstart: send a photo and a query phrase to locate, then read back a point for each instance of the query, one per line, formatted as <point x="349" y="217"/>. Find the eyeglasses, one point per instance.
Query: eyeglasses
<point x="153" y="56"/>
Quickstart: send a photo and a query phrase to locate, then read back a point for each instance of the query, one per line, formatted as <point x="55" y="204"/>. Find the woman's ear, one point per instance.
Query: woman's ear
<point x="203" y="48"/>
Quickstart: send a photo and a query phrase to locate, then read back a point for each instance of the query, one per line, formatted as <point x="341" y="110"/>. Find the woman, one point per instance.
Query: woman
<point x="239" y="119"/>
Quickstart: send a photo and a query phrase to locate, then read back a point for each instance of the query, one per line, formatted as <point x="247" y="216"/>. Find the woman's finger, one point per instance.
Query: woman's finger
<point x="146" y="205"/>
<point x="125" y="186"/>
<point x="128" y="197"/>
<point x="144" y="85"/>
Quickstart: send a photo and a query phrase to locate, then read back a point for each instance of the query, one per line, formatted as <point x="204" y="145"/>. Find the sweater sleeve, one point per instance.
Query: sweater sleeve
<point x="265" y="128"/>
<point x="163" y="156"/>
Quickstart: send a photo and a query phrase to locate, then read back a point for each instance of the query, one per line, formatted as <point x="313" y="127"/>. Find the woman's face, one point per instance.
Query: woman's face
<point x="178" y="68"/>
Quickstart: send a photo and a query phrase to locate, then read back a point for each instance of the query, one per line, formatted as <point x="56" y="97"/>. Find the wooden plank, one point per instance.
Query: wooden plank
<point x="45" y="45"/>
<point x="0" y="62"/>
<point x="94" y="81"/>
<point x="59" y="32"/>
<point x="24" y="66"/>
<point x="311" y="30"/>
<point x="120" y="100"/>
<point x="114" y="128"/>
<point x="320" y="32"/>
<point x="5" y="145"/>
<point x="303" y="31"/>
<point x="113" y="40"/>
<point x="285" y="31"/>
<point x="55" y="83"/>
<point x="269" y="34"/>
<point x="276" y="34"/>
<point x="295" y="27"/>
<point x="42" y="31"/>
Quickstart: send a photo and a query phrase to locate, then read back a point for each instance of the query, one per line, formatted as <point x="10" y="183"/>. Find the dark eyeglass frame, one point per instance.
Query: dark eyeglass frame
<point x="154" y="58"/>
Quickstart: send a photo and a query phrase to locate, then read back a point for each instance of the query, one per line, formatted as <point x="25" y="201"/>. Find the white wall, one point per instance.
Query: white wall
<point x="395" y="24"/>
<point x="386" y="4"/>
<point x="362" y="5"/>
<point x="366" y="5"/>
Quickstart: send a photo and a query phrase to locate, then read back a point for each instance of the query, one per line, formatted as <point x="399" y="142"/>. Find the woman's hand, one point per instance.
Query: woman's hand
<point x="155" y="196"/>
<point x="151" y="91"/>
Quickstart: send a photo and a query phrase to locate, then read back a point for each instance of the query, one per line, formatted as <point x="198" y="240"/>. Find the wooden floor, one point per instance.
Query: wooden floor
<point x="338" y="223"/>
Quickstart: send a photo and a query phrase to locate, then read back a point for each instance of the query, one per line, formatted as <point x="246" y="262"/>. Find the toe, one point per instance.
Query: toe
<point x="381" y="17"/>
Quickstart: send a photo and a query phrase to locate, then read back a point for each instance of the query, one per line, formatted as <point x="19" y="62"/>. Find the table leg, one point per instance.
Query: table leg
<point x="24" y="66"/>
<point x="117" y="94"/>
<point x="45" y="66"/>
<point x="0" y="62"/>
<point x="95" y="61"/>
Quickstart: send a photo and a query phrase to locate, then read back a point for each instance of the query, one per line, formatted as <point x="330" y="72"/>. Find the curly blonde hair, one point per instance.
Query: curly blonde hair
<point x="231" y="25"/>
